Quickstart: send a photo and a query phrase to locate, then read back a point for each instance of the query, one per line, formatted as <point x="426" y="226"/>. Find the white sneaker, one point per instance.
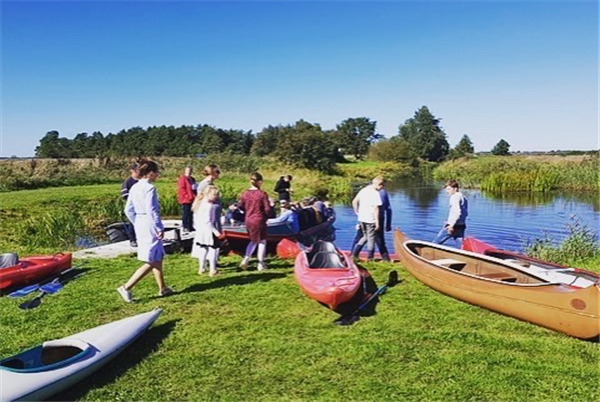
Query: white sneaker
<point x="125" y="294"/>
<point x="244" y="264"/>
<point x="201" y="271"/>
<point x="262" y="267"/>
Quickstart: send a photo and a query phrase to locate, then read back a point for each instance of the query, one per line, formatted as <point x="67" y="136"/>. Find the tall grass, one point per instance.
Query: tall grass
<point x="505" y="174"/>
<point x="580" y="246"/>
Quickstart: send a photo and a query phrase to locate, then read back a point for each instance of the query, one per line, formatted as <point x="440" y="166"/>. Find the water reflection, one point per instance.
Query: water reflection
<point x="507" y="221"/>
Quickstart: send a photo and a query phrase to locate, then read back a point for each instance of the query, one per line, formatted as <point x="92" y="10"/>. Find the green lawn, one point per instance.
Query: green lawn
<point x="254" y="336"/>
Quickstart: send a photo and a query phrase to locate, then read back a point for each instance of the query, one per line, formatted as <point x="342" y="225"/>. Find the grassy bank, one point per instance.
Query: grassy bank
<point x="255" y="337"/>
<point x="46" y="219"/>
<point x="524" y="173"/>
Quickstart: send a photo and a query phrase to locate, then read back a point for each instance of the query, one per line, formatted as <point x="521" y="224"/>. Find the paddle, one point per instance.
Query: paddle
<point x="32" y="288"/>
<point x="48" y="288"/>
<point x="352" y="318"/>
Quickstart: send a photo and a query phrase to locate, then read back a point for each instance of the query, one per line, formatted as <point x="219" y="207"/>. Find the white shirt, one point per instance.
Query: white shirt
<point x="458" y="209"/>
<point x="368" y="198"/>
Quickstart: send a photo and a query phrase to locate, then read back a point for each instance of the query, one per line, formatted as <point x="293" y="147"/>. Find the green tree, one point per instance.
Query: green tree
<point x="355" y="135"/>
<point x="52" y="146"/>
<point x="267" y="140"/>
<point x="395" y="149"/>
<point x="306" y="145"/>
<point x="501" y="148"/>
<point x="425" y="136"/>
<point x="464" y="147"/>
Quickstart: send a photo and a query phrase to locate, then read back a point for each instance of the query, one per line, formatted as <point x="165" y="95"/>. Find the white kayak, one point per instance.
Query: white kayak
<point x="40" y="372"/>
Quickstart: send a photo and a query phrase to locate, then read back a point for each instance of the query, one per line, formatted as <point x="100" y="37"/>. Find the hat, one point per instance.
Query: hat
<point x="134" y="166"/>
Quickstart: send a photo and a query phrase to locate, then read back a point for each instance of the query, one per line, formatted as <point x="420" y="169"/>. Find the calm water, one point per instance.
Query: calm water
<point x="420" y="209"/>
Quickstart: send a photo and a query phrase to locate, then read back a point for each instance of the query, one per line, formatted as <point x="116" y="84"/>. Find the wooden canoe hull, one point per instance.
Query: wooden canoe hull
<point x="559" y="307"/>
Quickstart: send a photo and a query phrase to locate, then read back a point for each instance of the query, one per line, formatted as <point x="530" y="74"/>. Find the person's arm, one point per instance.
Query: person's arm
<point x="130" y="210"/>
<point x="355" y="204"/>
<point x="387" y="210"/>
<point x="124" y="190"/>
<point x="267" y="207"/>
<point x="153" y="210"/>
<point x="454" y="213"/>
<point x="215" y="220"/>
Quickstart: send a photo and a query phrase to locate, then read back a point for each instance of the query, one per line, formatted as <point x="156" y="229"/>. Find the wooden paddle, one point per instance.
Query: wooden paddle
<point x="352" y="318"/>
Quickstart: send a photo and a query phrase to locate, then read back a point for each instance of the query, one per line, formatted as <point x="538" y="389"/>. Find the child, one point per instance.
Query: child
<point x="207" y="213"/>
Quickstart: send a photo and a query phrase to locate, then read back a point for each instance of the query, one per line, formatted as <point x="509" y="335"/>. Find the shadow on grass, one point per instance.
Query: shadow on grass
<point x="147" y="344"/>
<point x="234" y="281"/>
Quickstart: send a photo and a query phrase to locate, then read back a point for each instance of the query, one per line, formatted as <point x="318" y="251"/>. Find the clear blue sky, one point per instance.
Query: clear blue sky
<point x="526" y="72"/>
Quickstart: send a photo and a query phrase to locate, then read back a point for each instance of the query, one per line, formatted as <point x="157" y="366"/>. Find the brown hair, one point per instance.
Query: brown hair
<point x="147" y="166"/>
<point x="452" y="183"/>
<point x="255" y="177"/>
<point x="211" y="170"/>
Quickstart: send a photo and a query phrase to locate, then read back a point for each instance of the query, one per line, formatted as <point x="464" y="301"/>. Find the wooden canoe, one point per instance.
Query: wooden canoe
<point x="327" y="275"/>
<point x="502" y="286"/>
<point x="552" y="272"/>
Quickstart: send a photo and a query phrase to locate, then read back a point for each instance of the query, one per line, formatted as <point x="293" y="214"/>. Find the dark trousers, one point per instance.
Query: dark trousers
<point x="379" y="242"/>
<point x="187" y="218"/>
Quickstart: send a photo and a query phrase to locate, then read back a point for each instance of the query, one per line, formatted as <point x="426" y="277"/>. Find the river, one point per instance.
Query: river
<point x="508" y="222"/>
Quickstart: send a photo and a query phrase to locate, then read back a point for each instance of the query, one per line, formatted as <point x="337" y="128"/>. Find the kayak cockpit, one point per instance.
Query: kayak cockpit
<point x="51" y="355"/>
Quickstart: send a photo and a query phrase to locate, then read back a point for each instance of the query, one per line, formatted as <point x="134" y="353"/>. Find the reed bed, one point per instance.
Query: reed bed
<point x="523" y="174"/>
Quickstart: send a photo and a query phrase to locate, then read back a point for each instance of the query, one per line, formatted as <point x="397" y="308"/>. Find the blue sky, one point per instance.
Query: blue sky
<point x="526" y="72"/>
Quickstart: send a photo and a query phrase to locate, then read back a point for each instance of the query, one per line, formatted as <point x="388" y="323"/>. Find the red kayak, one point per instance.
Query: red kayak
<point x="576" y="277"/>
<point x="288" y="248"/>
<point x="327" y="275"/>
<point x="31" y="270"/>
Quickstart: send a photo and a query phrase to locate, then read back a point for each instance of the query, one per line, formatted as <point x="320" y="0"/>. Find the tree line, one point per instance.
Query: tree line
<point x="301" y="144"/>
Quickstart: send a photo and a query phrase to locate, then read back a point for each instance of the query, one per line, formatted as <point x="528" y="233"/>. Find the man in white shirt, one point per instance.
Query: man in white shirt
<point x="366" y="206"/>
<point x="457" y="217"/>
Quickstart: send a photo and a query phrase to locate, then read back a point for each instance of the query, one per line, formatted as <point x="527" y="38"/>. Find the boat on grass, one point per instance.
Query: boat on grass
<point x="16" y="273"/>
<point x="313" y="226"/>
<point x="40" y="372"/>
<point x="327" y="275"/>
<point x="502" y="286"/>
<point x="552" y="272"/>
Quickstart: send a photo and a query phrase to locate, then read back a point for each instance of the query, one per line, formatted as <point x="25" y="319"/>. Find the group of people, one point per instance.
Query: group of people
<point x="201" y="212"/>
<point x="374" y="214"/>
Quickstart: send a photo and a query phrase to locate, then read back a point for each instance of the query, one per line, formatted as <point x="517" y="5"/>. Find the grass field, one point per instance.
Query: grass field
<point x="253" y="336"/>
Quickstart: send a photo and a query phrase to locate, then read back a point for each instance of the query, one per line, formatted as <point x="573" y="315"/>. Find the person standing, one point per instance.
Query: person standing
<point x="366" y="205"/>
<point x="257" y="209"/>
<point x="283" y="187"/>
<point x="143" y="210"/>
<point x="186" y="191"/>
<point x="125" y="187"/>
<point x="385" y="223"/>
<point x="456" y="224"/>
<point x="209" y="233"/>
<point x="211" y="173"/>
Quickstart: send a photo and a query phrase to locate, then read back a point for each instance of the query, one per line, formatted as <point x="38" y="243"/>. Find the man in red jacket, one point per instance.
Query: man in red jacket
<point x="186" y="192"/>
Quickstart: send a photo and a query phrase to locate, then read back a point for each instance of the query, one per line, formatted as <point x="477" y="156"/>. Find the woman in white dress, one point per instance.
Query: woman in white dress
<point x="143" y="210"/>
<point x="207" y="214"/>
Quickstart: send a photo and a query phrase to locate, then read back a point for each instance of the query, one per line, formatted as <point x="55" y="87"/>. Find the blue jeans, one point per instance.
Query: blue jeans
<point x="458" y="235"/>
<point x="368" y="237"/>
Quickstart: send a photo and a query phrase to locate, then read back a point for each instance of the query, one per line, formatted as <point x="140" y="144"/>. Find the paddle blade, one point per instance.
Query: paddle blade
<point x="347" y="320"/>
<point x="52" y="287"/>
<point x="33" y="303"/>
<point x="392" y="279"/>
<point x="24" y="291"/>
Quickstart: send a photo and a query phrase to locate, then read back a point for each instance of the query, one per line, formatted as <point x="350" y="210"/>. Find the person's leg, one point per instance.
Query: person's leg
<point x="363" y="240"/>
<point x="262" y="251"/>
<point x="157" y="270"/>
<point x="249" y="251"/>
<point x="138" y="275"/>
<point x="369" y="230"/>
<point x="202" y="259"/>
<point x="459" y="235"/>
<point x="380" y="243"/>
<point x="357" y="237"/>
<point x="442" y="236"/>
<point x="212" y="260"/>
